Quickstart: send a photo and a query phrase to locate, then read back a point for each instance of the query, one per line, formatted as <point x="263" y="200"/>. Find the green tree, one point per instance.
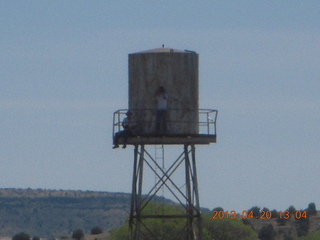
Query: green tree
<point x="226" y="229"/>
<point x="267" y="232"/>
<point x="167" y="228"/>
<point x="77" y="234"/>
<point x="246" y="221"/>
<point x="288" y="238"/>
<point x="255" y="210"/>
<point x="21" y="236"/>
<point x="302" y="226"/>
<point x="96" y="230"/>
<point x="311" y="210"/>
<point x="281" y="221"/>
<point x="222" y="229"/>
<point x="120" y="233"/>
<point x="217" y="209"/>
<point x="275" y="213"/>
<point x="311" y="236"/>
<point x="292" y="210"/>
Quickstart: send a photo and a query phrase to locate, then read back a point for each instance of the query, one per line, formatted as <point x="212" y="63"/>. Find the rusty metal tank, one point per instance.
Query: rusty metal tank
<point x="177" y="72"/>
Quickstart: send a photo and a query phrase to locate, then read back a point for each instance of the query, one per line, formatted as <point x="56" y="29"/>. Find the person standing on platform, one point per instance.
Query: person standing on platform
<point x="161" y="115"/>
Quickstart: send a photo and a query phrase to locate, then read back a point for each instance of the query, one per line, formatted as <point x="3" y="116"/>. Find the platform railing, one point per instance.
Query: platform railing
<point x="207" y="119"/>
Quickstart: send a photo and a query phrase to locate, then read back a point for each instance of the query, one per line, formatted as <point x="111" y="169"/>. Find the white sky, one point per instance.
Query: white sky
<point x="63" y="72"/>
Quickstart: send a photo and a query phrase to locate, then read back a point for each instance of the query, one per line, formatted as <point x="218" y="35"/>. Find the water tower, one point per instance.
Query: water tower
<point x="183" y="126"/>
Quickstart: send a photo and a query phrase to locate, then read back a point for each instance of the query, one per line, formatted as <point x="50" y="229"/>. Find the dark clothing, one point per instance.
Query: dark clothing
<point x="161" y="123"/>
<point x="127" y="132"/>
<point x="122" y="134"/>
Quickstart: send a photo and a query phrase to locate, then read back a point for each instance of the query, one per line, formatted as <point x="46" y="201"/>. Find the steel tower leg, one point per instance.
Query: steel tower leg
<point x="135" y="211"/>
<point x="188" y="199"/>
<point x="196" y="192"/>
<point x="192" y="193"/>
<point x="189" y="202"/>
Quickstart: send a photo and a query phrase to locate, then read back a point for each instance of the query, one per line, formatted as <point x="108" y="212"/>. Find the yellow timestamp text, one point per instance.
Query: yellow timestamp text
<point x="260" y="215"/>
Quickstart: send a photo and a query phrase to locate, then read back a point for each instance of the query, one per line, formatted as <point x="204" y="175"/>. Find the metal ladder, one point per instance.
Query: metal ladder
<point x="159" y="158"/>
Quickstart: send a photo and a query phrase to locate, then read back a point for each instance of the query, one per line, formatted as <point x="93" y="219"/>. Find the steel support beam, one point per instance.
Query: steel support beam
<point x="140" y="220"/>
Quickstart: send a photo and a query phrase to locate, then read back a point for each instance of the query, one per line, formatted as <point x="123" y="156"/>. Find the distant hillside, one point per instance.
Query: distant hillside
<point x="56" y="213"/>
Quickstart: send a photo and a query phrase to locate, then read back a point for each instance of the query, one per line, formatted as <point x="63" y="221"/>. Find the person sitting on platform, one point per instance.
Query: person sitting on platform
<point x="128" y="127"/>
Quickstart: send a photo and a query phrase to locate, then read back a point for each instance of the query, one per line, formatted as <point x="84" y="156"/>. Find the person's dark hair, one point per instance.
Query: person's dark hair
<point x="161" y="89"/>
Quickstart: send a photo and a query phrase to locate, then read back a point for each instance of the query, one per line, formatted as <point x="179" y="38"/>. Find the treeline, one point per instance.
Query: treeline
<point x="175" y="228"/>
<point x="299" y="219"/>
<point x="254" y="223"/>
<point x="77" y="234"/>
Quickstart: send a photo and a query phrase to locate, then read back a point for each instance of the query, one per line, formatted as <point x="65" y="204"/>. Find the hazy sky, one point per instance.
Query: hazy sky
<point x="64" y="71"/>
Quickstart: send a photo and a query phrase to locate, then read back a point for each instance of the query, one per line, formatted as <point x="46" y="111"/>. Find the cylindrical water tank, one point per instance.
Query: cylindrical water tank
<point x="177" y="72"/>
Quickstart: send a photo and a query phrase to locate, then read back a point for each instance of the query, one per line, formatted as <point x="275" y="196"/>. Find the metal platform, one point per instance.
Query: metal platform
<point x="170" y="139"/>
<point x="206" y="133"/>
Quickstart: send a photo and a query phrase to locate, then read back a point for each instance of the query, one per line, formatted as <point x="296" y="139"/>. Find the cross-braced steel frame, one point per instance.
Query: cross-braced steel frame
<point x="188" y="198"/>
